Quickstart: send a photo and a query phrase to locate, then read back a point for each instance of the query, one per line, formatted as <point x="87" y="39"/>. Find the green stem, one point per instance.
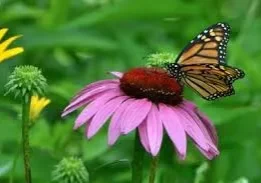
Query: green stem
<point x="153" y="169"/>
<point x="137" y="162"/>
<point x="25" y="138"/>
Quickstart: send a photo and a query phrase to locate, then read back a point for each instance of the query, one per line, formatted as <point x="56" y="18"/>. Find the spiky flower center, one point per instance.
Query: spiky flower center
<point x="26" y="80"/>
<point x="152" y="83"/>
<point x="71" y="170"/>
<point x="160" y="59"/>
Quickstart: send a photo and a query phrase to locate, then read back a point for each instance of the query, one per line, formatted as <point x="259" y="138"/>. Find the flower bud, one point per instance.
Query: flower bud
<point x="26" y="81"/>
<point x="160" y="59"/>
<point x="71" y="170"/>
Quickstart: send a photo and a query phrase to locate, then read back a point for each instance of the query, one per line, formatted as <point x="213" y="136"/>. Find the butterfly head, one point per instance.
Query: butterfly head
<point x="174" y="70"/>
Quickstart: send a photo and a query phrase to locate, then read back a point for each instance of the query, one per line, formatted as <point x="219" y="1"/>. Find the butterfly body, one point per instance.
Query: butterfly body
<point x="202" y="64"/>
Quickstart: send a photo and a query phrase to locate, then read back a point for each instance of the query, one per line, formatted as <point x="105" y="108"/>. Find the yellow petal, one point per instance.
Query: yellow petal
<point x="34" y="100"/>
<point x="3" y="32"/>
<point x="10" y="53"/>
<point x="7" y="42"/>
<point x="46" y="102"/>
<point x="37" y="105"/>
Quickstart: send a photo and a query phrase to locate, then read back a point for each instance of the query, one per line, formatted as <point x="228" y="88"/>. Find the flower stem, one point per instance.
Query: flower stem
<point x="137" y="162"/>
<point x="25" y="137"/>
<point x="153" y="169"/>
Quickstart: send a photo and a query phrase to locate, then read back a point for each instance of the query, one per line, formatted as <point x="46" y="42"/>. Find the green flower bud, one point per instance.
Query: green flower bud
<point x="71" y="170"/>
<point x="160" y="59"/>
<point x="26" y="81"/>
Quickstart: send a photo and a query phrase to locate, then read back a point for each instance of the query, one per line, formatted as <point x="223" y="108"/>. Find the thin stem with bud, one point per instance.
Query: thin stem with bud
<point x="23" y="83"/>
<point x="25" y="137"/>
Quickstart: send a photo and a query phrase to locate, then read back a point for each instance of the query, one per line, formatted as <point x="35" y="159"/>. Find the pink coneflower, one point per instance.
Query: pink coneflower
<point x="149" y="100"/>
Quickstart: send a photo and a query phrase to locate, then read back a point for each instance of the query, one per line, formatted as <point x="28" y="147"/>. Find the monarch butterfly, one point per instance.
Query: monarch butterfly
<point x="202" y="64"/>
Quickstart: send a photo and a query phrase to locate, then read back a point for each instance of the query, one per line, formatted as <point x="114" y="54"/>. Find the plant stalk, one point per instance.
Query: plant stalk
<point x="137" y="162"/>
<point x="25" y="137"/>
<point x="153" y="169"/>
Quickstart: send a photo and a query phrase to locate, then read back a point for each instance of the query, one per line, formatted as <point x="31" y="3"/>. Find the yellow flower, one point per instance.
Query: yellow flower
<point x="8" y="53"/>
<point x="37" y="105"/>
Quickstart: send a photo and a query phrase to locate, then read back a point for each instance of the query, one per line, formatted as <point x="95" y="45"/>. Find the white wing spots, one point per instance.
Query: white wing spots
<point x="212" y="34"/>
<point x="222" y="25"/>
<point x="174" y="70"/>
<point x="222" y="48"/>
<point x="218" y="38"/>
<point x="203" y="37"/>
<point x="199" y="36"/>
<point x="214" y="96"/>
<point x="207" y="39"/>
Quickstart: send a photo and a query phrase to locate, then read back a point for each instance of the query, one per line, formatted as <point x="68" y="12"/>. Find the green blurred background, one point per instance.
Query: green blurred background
<point x="76" y="42"/>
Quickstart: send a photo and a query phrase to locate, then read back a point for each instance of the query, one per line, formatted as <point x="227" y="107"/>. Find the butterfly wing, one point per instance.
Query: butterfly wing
<point x="202" y="64"/>
<point x="209" y="47"/>
<point x="225" y="73"/>
<point x="208" y="89"/>
<point x="210" y="82"/>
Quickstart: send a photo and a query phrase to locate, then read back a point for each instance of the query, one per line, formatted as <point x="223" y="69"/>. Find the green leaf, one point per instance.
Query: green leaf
<point x="40" y="39"/>
<point x="134" y="9"/>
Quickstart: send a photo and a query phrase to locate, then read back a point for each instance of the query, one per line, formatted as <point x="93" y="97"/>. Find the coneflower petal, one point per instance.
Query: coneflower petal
<point x="89" y="111"/>
<point x="115" y="124"/>
<point x="144" y="137"/>
<point x="78" y="102"/>
<point x="103" y="114"/>
<point x="117" y="74"/>
<point x="155" y="130"/>
<point x="84" y="102"/>
<point x="191" y="127"/>
<point x="134" y="114"/>
<point x="95" y="85"/>
<point x="211" y="153"/>
<point x="174" y="128"/>
<point x="191" y="111"/>
<point x="209" y="126"/>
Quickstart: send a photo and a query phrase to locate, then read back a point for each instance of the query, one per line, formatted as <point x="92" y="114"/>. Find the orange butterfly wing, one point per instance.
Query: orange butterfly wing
<point x="209" y="47"/>
<point x="202" y="64"/>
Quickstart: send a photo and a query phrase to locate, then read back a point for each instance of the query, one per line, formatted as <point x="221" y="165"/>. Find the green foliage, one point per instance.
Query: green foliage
<point x="78" y="42"/>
